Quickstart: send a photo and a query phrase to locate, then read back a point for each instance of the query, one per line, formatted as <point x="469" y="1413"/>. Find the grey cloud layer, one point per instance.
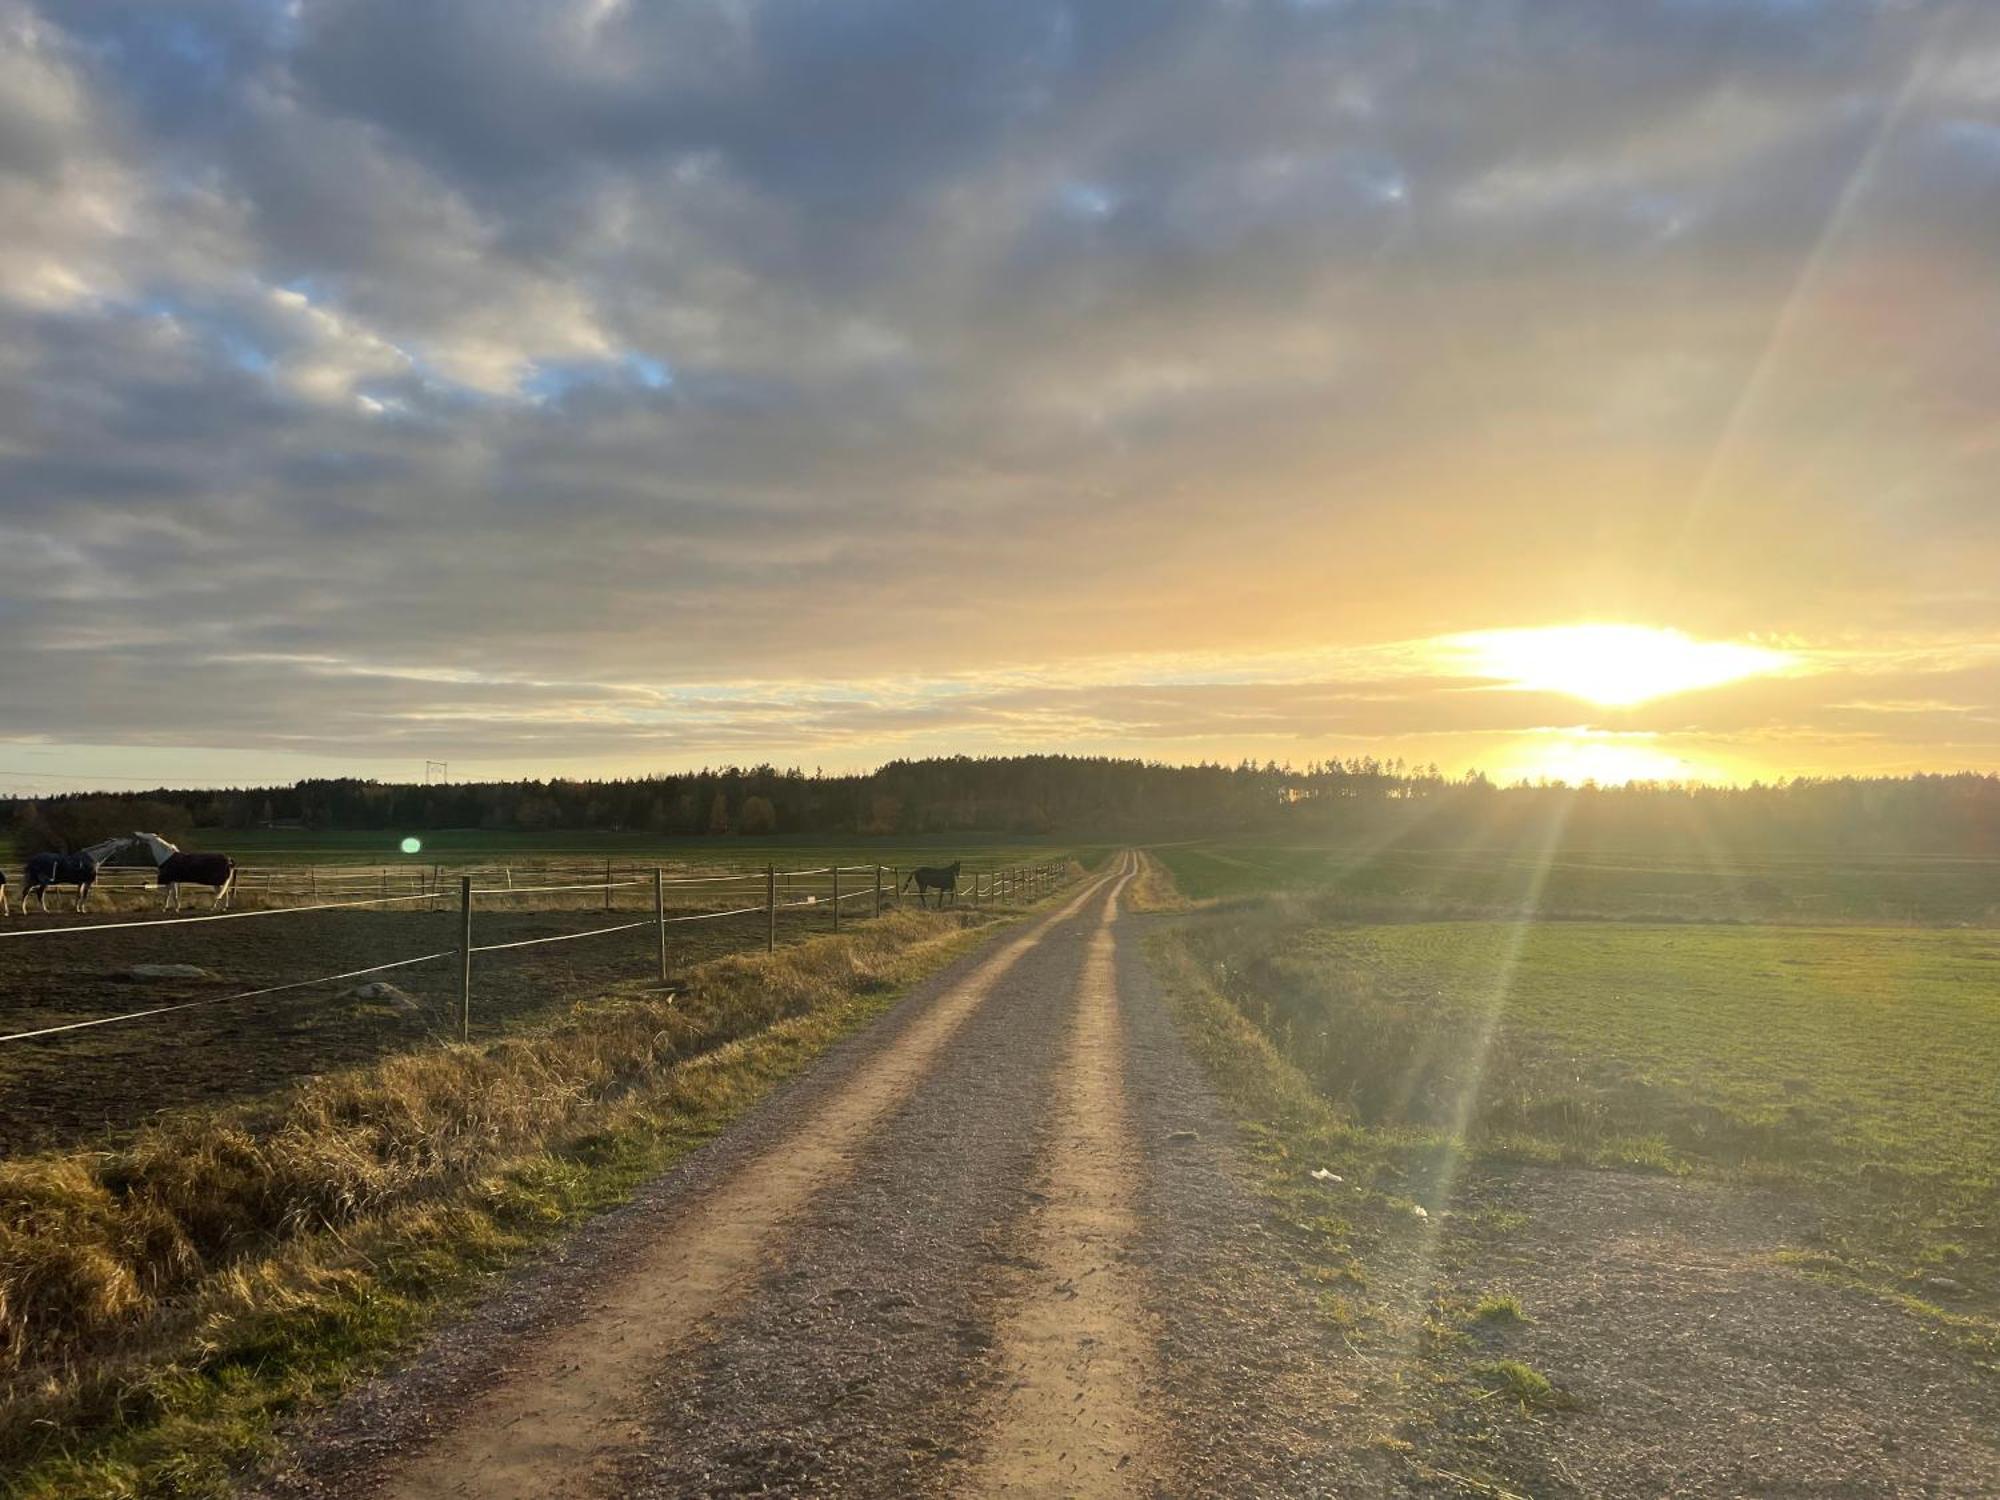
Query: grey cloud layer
<point x="601" y="344"/>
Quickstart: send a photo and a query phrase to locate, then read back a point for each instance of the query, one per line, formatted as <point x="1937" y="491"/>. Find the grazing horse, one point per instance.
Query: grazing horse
<point x="3" y="893"/>
<point x="940" y="878"/>
<point x="217" y="871"/>
<point x="79" y="870"/>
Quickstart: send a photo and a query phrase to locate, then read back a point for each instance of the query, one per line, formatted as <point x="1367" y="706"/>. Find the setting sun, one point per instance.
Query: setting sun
<point x="1613" y="665"/>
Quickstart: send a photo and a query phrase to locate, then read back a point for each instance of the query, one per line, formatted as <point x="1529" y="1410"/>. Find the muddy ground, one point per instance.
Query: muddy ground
<point x="93" y="1084"/>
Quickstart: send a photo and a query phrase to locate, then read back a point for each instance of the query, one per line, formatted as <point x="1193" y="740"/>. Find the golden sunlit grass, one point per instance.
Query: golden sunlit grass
<point x="161" y="1304"/>
<point x="1612" y="665"/>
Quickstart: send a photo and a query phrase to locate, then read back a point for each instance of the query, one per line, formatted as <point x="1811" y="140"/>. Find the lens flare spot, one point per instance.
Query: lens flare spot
<point x="413" y="846"/>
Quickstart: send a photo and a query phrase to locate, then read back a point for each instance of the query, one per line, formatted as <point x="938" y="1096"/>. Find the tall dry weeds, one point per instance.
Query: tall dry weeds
<point x="95" y="1246"/>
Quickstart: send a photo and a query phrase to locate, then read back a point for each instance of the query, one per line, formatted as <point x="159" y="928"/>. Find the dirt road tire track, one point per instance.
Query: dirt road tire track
<point x="1075" y="1342"/>
<point x="1006" y="1243"/>
<point x="553" y="1415"/>
<point x="864" y="1364"/>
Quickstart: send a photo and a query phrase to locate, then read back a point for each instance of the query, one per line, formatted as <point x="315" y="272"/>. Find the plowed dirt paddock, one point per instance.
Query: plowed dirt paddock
<point x="80" y="1084"/>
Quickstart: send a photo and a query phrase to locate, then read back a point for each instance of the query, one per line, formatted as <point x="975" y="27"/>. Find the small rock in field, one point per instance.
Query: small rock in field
<point x="143" y="972"/>
<point x="1418" y="1211"/>
<point x="379" y="993"/>
<point x="1183" y="1137"/>
<point x="1943" y="1284"/>
<point x="1320" y="1174"/>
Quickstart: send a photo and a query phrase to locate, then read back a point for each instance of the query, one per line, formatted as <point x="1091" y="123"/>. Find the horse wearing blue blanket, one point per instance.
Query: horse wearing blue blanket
<point x="79" y="869"/>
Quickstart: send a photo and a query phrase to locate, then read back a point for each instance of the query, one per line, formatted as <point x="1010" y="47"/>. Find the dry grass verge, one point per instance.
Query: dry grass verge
<point x="1154" y="890"/>
<point x="163" y="1303"/>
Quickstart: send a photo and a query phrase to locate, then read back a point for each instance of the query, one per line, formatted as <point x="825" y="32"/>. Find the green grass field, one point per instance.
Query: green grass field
<point x="1712" y="885"/>
<point x="279" y="846"/>
<point x="1858" y="1065"/>
<point x="1835" y="1048"/>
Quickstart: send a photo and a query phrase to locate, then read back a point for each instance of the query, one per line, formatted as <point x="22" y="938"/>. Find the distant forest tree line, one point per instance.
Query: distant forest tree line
<point x="1082" y="797"/>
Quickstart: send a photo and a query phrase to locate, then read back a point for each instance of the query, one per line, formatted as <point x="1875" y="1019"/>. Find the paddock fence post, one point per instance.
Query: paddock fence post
<point x="878" y="890"/>
<point x="465" y="958"/>
<point x="607" y="885"/>
<point x="896" y="880"/>
<point x="660" y="916"/>
<point x="836" y="898"/>
<point x="770" y="908"/>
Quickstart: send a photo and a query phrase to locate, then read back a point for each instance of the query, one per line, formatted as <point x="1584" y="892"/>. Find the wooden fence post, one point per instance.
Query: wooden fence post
<point x="836" y="898"/>
<point x="770" y="908"/>
<point x="660" y="916"/>
<point x="607" y="885"/>
<point x="896" y="880"/>
<point x="878" y="890"/>
<point x="465" y="958"/>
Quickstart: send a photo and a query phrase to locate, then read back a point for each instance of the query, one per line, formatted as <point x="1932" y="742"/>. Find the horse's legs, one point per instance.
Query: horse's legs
<point x="83" y="895"/>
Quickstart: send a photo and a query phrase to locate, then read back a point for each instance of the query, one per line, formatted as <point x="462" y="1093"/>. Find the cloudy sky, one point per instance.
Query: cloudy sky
<point x="594" y="386"/>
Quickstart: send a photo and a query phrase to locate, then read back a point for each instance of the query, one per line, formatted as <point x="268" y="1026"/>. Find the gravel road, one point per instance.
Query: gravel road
<point x="1001" y="1244"/>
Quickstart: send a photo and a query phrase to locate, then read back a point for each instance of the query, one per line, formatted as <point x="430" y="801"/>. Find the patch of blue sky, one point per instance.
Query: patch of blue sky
<point x="1380" y="178"/>
<point x="551" y="380"/>
<point x="1086" y="200"/>
<point x="654" y="374"/>
<point x="1978" y="140"/>
<point x="243" y="354"/>
<point x="216" y="331"/>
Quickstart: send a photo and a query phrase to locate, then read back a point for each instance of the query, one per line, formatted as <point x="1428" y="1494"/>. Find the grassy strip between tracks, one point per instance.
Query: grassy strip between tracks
<point x="164" y="1305"/>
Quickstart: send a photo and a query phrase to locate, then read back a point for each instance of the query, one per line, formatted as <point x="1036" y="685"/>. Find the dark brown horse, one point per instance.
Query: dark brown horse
<point x="940" y="878"/>
<point x="216" y="871"/>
